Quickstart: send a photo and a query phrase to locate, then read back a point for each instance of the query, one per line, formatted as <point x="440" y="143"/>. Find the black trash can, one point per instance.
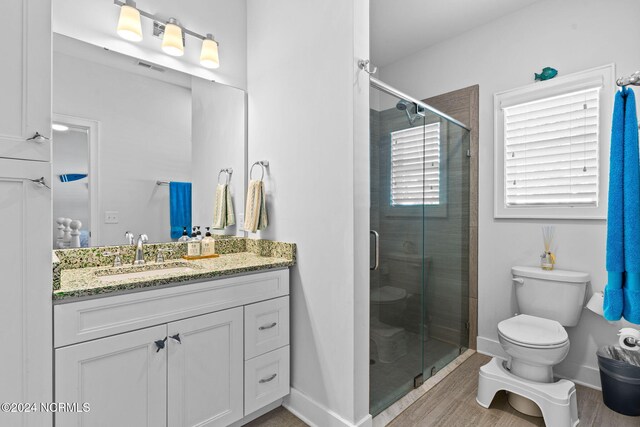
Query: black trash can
<point x="620" y="379"/>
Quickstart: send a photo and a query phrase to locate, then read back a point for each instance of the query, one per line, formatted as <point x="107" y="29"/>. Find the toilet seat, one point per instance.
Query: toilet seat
<point x="387" y="295"/>
<point x="533" y="332"/>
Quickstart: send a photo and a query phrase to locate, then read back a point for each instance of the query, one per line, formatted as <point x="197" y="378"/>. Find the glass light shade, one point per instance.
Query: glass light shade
<point x="129" y="26"/>
<point x="172" y="40"/>
<point x="209" y="54"/>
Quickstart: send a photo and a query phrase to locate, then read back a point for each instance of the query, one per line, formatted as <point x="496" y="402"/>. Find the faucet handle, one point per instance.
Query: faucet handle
<point x="117" y="262"/>
<point x="144" y="238"/>
<point x="130" y="237"/>
<point x="160" y="255"/>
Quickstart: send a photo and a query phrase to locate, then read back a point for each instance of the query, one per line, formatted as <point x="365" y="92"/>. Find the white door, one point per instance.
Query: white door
<point x="123" y="378"/>
<point x="25" y="280"/>
<point x="205" y="370"/>
<point x="25" y="79"/>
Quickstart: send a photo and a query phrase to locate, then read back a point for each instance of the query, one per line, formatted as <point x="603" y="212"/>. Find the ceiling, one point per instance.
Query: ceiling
<point x="399" y="28"/>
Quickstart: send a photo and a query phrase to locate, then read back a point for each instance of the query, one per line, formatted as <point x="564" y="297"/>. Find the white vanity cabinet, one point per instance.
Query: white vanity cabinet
<point x="191" y="362"/>
<point x="25" y="209"/>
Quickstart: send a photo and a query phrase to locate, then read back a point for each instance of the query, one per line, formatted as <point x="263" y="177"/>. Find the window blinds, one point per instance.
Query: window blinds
<point x="551" y="151"/>
<point x="415" y="166"/>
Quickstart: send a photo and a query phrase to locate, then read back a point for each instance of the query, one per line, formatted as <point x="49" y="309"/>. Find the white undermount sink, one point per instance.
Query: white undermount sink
<point x="145" y="274"/>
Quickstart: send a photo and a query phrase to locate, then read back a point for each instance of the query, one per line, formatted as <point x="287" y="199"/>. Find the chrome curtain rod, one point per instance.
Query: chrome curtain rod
<point x="395" y="92"/>
<point x="633" y="80"/>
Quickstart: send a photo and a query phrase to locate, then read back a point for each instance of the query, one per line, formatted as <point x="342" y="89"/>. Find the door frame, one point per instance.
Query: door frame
<point x="93" y="135"/>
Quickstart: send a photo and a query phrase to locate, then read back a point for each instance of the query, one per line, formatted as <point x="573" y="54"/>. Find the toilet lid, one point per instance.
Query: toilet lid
<point x="533" y="330"/>
<point x="386" y="294"/>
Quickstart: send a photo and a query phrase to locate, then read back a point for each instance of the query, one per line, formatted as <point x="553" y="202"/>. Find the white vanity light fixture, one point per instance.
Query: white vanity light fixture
<point x="172" y="33"/>
<point x="129" y="26"/>
<point x="209" y="54"/>
<point x="172" y="38"/>
<point x="59" y="127"/>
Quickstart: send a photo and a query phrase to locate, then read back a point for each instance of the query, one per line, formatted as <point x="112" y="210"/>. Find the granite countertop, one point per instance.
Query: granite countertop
<point x="83" y="273"/>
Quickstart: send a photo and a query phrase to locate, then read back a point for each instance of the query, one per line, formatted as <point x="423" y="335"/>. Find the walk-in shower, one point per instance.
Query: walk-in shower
<point x="420" y="215"/>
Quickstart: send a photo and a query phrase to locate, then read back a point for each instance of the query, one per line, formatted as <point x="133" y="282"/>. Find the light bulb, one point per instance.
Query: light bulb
<point x="209" y="54"/>
<point x="129" y="26"/>
<point x="172" y="39"/>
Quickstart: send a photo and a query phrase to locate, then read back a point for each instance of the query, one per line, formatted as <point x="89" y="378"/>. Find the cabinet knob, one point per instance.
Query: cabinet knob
<point x="267" y="379"/>
<point x="269" y="326"/>
<point x="37" y="137"/>
<point x="160" y="344"/>
<point x="176" y="337"/>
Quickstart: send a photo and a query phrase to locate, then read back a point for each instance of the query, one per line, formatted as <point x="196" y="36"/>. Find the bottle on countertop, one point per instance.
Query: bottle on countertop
<point x="194" y="247"/>
<point x="208" y="243"/>
<point x="198" y="233"/>
<point x="185" y="235"/>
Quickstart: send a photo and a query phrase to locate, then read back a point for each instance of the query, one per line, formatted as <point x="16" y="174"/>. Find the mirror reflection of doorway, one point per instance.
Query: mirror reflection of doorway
<point x="74" y="181"/>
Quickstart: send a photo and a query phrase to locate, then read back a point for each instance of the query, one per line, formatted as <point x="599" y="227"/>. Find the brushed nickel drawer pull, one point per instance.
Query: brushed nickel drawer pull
<point x="262" y="328"/>
<point x="269" y="378"/>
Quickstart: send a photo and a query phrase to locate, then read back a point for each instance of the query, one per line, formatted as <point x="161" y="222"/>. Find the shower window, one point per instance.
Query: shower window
<point x="415" y="166"/>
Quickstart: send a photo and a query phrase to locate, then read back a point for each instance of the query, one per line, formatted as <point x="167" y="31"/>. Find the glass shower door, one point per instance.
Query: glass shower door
<point x="420" y="215"/>
<point x="396" y="334"/>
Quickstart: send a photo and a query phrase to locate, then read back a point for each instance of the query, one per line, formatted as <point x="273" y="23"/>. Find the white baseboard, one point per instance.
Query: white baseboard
<point x="587" y="376"/>
<point x="315" y="414"/>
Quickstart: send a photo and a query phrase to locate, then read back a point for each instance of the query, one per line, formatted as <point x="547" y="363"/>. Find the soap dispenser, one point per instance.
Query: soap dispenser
<point x="185" y="235"/>
<point x="198" y="233"/>
<point x="194" y="247"/>
<point x="208" y="244"/>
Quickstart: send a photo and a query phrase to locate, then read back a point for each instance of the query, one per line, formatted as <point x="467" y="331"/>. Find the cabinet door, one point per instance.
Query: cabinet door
<point x="25" y="79"/>
<point x="205" y="370"/>
<point x="25" y="279"/>
<point x="123" y="378"/>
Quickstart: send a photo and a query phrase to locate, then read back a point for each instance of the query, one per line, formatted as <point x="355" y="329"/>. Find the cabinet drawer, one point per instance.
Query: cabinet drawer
<point x="266" y="326"/>
<point x="266" y="379"/>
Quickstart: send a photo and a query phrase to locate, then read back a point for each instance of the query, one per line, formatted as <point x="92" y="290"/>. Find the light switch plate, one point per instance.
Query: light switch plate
<point x="111" y="217"/>
<point x="240" y="222"/>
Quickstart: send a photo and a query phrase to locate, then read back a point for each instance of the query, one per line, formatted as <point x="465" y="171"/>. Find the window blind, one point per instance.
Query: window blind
<point x="551" y="151"/>
<point x="415" y="166"/>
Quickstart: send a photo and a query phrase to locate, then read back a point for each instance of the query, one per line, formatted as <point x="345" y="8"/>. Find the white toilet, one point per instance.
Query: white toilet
<point x="535" y="340"/>
<point x="390" y="340"/>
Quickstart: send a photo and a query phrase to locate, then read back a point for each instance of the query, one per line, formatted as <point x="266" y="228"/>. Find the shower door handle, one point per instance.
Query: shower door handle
<point x="376" y="250"/>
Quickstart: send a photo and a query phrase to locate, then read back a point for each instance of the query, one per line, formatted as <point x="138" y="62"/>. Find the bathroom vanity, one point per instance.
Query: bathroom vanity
<point x="205" y="343"/>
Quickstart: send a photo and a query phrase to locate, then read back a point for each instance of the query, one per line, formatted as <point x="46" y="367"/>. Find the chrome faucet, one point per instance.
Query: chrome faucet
<point x="142" y="239"/>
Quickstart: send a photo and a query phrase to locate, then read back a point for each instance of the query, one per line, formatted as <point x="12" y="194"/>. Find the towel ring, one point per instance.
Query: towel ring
<point x="251" y="170"/>
<point x="228" y="172"/>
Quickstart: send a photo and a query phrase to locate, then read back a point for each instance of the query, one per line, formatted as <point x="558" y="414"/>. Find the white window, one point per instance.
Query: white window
<point x="550" y="137"/>
<point x="415" y="166"/>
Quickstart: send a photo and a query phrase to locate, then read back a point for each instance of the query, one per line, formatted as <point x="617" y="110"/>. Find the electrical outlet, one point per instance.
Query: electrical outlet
<point x="111" y="217"/>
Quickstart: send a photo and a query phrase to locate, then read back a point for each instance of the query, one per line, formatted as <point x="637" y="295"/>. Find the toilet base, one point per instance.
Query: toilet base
<point x="524" y="405"/>
<point x="557" y="401"/>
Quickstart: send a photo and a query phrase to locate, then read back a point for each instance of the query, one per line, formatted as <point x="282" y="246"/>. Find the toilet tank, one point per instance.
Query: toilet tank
<point x="557" y="294"/>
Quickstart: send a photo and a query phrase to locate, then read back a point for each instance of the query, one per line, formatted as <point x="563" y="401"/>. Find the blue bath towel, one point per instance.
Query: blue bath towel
<point x="622" y="293"/>
<point x="179" y="207"/>
<point x="613" y="298"/>
<point x="631" y="289"/>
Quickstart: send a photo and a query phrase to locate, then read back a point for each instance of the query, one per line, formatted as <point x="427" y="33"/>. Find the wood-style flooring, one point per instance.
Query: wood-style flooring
<point x="452" y="403"/>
